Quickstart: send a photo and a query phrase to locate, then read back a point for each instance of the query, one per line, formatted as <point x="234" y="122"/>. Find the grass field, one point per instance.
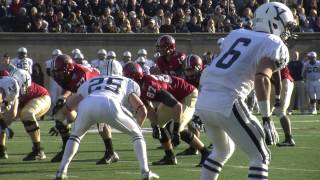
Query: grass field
<point x="298" y="163"/>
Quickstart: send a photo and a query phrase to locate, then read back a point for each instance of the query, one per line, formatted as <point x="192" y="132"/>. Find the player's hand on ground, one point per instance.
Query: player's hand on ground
<point x="272" y="137"/>
<point x="59" y="104"/>
<point x="53" y="131"/>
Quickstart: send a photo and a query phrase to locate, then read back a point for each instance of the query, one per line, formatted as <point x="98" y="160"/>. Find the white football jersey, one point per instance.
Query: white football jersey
<point x="95" y="63"/>
<point x="11" y="88"/>
<point x="231" y="73"/>
<point x="312" y="72"/>
<point x="25" y="63"/>
<point x="117" y="87"/>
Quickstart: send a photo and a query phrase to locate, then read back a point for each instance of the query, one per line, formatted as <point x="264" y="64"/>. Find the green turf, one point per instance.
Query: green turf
<point x="298" y="163"/>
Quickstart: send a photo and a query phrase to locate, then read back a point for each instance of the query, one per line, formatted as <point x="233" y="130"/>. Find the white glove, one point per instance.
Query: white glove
<point x="272" y="137"/>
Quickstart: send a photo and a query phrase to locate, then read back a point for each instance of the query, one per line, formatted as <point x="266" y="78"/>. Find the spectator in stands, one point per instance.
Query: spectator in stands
<point x="132" y="16"/>
<point x="167" y="27"/>
<point x="247" y="16"/>
<point x="125" y="27"/>
<point x="149" y="7"/>
<point x="252" y="4"/>
<point x="181" y="4"/>
<point x="120" y="18"/>
<point x="151" y="27"/>
<point x="199" y="16"/>
<point x="96" y="8"/>
<point x="193" y="25"/>
<point x="137" y="26"/>
<point x="227" y="26"/>
<point x="210" y="28"/>
<point x="143" y="18"/>
<point x="73" y="21"/>
<point x="165" y="5"/>
<point x="218" y="17"/>
<point x="317" y="26"/>
<point x="41" y="6"/>
<point x="68" y="7"/>
<point x="233" y="16"/>
<point x="208" y="9"/>
<point x="110" y="27"/>
<point x="21" y="22"/>
<point x="14" y="7"/>
<point x="301" y="14"/>
<point x="197" y="5"/>
<point x="3" y="9"/>
<point x="79" y="16"/>
<point x="306" y="26"/>
<point x="312" y="18"/>
<point x="96" y="28"/>
<point x="159" y="17"/>
<point x="39" y="25"/>
<point x="181" y="27"/>
<point x="178" y="15"/>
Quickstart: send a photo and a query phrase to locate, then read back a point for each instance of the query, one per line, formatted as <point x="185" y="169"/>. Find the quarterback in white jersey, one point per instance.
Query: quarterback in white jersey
<point x="22" y="61"/>
<point x="246" y="62"/>
<point x="106" y="99"/>
<point x="311" y="73"/>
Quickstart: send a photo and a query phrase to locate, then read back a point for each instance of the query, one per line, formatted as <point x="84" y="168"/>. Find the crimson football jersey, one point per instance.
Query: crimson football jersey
<point x="172" y="67"/>
<point x="152" y="84"/>
<point x="34" y="91"/>
<point x="285" y="74"/>
<point x="79" y="75"/>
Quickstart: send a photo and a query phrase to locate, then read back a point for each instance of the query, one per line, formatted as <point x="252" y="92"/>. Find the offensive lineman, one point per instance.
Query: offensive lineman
<point x="107" y="99"/>
<point x="246" y="62"/>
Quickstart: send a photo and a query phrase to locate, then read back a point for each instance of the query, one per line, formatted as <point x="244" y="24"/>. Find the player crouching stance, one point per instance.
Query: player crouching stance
<point x="106" y="99"/>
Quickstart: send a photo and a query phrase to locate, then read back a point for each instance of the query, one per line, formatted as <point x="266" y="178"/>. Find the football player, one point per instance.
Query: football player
<point x="283" y="84"/>
<point x="54" y="89"/>
<point x="311" y="75"/>
<point x="143" y="53"/>
<point x="22" y="61"/>
<point x="9" y="93"/>
<point x="34" y="102"/>
<point x="177" y="99"/>
<point x="126" y="57"/>
<point x="70" y="76"/>
<point x="102" y="56"/>
<point x="193" y="66"/>
<point x="246" y="62"/>
<point x="79" y="59"/>
<point x="108" y="99"/>
<point x="171" y="61"/>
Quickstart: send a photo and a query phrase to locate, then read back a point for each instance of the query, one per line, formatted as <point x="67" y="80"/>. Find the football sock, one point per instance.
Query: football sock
<point x="140" y="149"/>
<point x="71" y="149"/>
<point x="108" y="145"/>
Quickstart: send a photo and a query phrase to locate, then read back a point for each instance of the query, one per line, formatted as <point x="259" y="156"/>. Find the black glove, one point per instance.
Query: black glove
<point x="196" y="122"/>
<point x="155" y="132"/>
<point x="53" y="131"/>
<point x="59" y="104"/>
<point x="272" y="137"/>
<point x="9" y="133"/>
<point x="277" y="103"/>
<point x="175" y="139"/>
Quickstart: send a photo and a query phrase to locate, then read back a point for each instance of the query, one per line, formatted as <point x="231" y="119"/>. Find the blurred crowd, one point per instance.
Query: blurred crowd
<point x="143" y="16"/>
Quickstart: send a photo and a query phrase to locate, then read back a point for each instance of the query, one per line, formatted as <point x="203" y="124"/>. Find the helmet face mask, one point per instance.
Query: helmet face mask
<point x="133" y="71"/>
<point x="62" y="67"/>
<point x="193" y="66"/>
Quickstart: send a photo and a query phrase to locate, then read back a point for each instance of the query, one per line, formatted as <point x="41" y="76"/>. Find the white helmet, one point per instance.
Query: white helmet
<point x="220" y="42"/>
<point x="76" y="51"/>
<point x="111" y="55"/>
<point x="78" y="56"/>
<point x="56" y="52"/>
<point x="114" y="68"/>
<point x="22" y="50"/>
<point x="141" y="59"/>
<point x="102" y="51"/>
<point x="312" y="54"/>
<point x="274" y="18"/>
<point x="127" y="54"/>
<point x="23" y="78"/>
<point x="142" y="52"/>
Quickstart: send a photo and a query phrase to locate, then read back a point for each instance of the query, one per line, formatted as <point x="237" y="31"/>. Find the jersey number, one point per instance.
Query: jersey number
<point x="226" y="63"/>
<point x="111" y="84"/>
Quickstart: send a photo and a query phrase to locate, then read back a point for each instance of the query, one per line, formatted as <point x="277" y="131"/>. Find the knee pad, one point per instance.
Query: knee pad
<point x="63" y="129"/>
<point x="186" y="136"/>
<point x="165" y="136"/>
<point x="30" y="126"/>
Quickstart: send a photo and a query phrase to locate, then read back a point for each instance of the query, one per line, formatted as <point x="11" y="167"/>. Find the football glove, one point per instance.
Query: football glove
<point x="9" y="133"/>
<point x="59" y="104"/>
<point x="53" y="131"/>
<point x="272" y="137"/>
<point x="196" y="122"/>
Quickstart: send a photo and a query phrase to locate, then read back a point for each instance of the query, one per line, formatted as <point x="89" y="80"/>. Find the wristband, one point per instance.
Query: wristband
<point x="264" y="108"/>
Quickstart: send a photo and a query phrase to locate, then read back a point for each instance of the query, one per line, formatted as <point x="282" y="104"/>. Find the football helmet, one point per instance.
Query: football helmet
<point x="111" y="55"/>
<point x="22" y="52"/>
<point x="193" y="66"/>
<point x="4" y="73"/>
<point x="56" y="52"/>
<point x="219" y="43"/>
<point x="312" y="57"/>
<point x="62" y="66"/>
<point x="114" y="68"/>
<point x="142" y="52"/>
<point x="133" y="70"/>
<point x="166" y="45"/>
<point x="102" y="54"/>
<point x="274" y="18"/>
<point x="23" y="78"/>
<point x="141" y="60"/>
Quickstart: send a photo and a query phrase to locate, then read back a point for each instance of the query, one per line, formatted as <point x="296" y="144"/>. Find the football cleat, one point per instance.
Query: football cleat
<point x="166" y="160"/>
<point x="188" y="152"/>
<point x="58" y="157"/>
<point x="149" y="176"/>
<point x="108" y="159"/>
<point x="286" y="143"/>
<point x="4" y="154"/>
<point x="36" y="154"/>
<point x="61" y="175"/>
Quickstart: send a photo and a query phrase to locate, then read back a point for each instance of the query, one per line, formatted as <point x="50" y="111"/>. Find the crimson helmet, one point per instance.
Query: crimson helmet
<point x="166" y="45"/>
<point x="133" y="71"/>
<point x="62" y="66"/>
<point x="193" y="62"/>
<point x="4" y="73"/>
